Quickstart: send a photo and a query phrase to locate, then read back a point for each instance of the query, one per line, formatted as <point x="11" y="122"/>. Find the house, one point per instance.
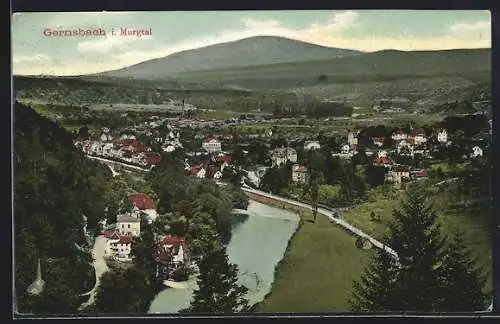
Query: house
<point x="312" y="145"/>
<point x="171" y="252"/>
<point x="382" y="153"/>
<point x="128" y="225"/>
<point x="399" y="135"/>
<point x="378" y="140"/>
<point x="352" y="138"/>
<point x="299" y="173"/>
<point x="126" y="136"/>
<point x="141" y="201"/>
<point x="212" y="146"/>
<point x="132" y="145"/>
<point x="419" y="174"/>
<point x="383" y="161"/>
<point x="283" y="155"/>
<point x="217" y="175"/>
<point x="122" y="248"/>
<point x="398" y="174"/>
<point x="442" y="136"/>
<point x="198" y="171"/>
<point x="477" y="152"/>
<point x="151" y="159"/>
<point x="105" y="135"/>
<point x="144" y="204"/>
<point x="405" y="146"/>
<point x="418" y="137"/>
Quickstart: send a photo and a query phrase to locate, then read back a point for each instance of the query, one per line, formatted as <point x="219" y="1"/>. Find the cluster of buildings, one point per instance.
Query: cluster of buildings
<point x="209" y="166"/>
<point x="171" y="142"/>
<point x="126" y="148"/>
<point x="170" y="253"/>
<point x="401" y="143"/>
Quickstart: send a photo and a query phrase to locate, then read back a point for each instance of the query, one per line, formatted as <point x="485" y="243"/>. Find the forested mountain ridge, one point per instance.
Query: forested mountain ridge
<point x="54" y="186"/>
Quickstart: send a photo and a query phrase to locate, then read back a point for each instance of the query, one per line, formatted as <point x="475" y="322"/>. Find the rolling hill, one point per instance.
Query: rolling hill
<point x="472" y="64"/>
<point x="260" y="50"/>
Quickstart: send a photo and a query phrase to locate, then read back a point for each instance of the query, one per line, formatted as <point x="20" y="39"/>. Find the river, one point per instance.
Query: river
<point x="256" y="246"/>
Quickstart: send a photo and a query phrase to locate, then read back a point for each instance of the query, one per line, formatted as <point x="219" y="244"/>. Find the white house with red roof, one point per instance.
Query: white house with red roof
<point x="118" y="246"/>
<point x="171" y="253"/>
<point x="146" y="205"/>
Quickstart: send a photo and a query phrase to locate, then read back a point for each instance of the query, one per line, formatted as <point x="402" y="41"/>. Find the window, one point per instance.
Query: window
<point x="128" y="225"/>
<point x="123" y="225"/>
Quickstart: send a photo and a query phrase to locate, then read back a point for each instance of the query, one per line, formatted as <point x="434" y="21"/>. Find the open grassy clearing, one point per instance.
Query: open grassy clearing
<point x="317" y="271"/>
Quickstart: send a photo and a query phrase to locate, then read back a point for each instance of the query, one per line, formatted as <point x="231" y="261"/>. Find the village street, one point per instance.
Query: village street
<point x="100" y="266"/>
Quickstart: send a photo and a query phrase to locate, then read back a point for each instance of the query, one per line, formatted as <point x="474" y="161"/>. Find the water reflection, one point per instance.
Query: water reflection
<point x="258" y="243"/>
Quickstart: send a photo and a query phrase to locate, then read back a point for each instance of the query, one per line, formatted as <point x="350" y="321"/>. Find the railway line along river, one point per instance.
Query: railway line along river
<point x="257" y="245"/>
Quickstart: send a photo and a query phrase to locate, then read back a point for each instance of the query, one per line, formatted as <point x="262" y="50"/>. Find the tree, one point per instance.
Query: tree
<point x="462" y="281"/>
<point x="123" y="291"/>
<point x="274" y="180"/>
<point x="415" y="235"/>
<point x="218" y="290"/>
<point x="315" y="180"/>
<point x="374" y="291"/>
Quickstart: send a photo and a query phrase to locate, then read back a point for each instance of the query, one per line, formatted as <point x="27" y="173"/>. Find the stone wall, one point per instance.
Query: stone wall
<point x="276" y="203"/>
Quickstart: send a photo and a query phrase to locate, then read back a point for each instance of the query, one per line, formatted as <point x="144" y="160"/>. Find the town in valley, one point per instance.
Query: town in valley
<point x="220" y="180"/>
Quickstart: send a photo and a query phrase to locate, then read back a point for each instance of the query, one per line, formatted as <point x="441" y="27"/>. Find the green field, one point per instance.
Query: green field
<point x="317" y="271"/>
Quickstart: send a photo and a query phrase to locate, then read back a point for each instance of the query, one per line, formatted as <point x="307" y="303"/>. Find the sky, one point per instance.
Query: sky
<point x="35" y="52"/>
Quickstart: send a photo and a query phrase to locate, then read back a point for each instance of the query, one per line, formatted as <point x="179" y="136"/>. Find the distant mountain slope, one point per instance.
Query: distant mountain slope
<point x="260" y="50"/>
<point x="377" y="66"/>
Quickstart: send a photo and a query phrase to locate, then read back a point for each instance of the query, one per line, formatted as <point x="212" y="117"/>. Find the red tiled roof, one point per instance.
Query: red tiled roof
<point x="173" y="240"/>
<point x="136" y="144"/>
<point x="382" y="160"/>
<point x="126" y="239"/>
<point x="111" y="235"/>
<point x="224" y="158"/>
<point x="195" y="169"/>
<point x="142" y="201"/>
<point x="421" y="173"/>
<point x="152" y="158"/>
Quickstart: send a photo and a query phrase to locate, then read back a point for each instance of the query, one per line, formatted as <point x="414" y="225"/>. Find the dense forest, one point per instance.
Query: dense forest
<point x="54" y="187"/>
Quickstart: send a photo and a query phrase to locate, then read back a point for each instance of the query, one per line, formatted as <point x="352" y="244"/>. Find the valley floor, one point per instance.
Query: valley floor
<point x="317" y="271"/>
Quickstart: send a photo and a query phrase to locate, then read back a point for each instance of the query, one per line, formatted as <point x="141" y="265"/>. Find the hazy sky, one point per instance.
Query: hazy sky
<point x="370" y="30"/>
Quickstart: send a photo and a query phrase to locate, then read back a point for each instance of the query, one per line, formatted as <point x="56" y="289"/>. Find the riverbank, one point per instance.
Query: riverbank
<point x="257" y="245"/>
<point x="317" y="271"/>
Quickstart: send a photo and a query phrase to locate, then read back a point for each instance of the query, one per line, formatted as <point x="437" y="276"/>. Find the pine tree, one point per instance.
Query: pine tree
<point x="462" y="280"/>
<point x="413" y="284"/>
<point x="415" y="235"/>
<point x="373" y="292"/>
<point x="218" y="290"/>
